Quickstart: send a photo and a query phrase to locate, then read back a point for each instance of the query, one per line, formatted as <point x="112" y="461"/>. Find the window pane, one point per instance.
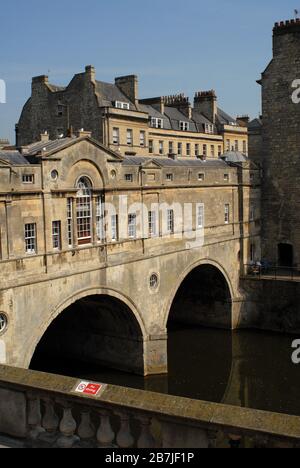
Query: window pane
<point x="114" y="228"/>
<point x="56" y="238"/>
<point x="30" y="238"/>
<point x="84" y="211"/>
<point x="70" y="221"/>
<point x="152" y="223"/>
<point x="171" y="221"/>
<point x="116" y="136"/>
<point x="100" y="219"/>
<point x="132" y="226"/>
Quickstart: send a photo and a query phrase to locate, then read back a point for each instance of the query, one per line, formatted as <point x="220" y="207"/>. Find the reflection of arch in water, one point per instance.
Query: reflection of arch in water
<point x="95" y="326"/>
<point x="203" y="297"/>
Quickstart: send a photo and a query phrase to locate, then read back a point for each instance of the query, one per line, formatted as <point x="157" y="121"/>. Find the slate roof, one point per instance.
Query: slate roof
<point x="13" y="158"/>
<point x="168" y="162"/>
<point x="234" y="157"/>
<point x="47" y="146"/>
<point x="255" y="124"/>
<point x="224" y="118"/>
<point x="175" y="117"/>
<point x="110" y="93"/>
<point x="200" y="118"/>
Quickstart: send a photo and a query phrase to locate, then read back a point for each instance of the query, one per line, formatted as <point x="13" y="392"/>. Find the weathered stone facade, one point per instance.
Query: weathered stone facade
<point x="52" y="259"/>
<point x="121" y="121"/>
<point x="281" y="143"/>
<point x="256" y="141"/>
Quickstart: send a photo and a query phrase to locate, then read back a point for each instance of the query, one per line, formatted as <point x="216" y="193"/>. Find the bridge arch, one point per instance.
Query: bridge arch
<point x="96" y="325"/>
<point x="197" y="279"/>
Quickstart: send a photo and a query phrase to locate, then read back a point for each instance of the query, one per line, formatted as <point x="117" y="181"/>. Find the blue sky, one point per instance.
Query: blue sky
<point x="173" y="45"/>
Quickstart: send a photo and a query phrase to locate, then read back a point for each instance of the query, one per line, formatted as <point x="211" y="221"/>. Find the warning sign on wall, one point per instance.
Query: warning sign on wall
<point x="89" y="388"/>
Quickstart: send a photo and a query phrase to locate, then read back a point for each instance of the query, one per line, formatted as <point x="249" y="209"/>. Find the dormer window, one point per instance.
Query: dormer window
<point x="122" y="105"/>
<point x="156" y="123"/>
<point x="209" y="128"/>
<point x="184" y="126"/>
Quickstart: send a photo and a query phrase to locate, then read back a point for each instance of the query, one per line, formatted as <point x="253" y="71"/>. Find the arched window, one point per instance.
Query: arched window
<point x="84" y="211"/>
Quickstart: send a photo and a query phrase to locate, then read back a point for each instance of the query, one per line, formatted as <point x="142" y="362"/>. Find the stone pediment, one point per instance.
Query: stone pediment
<point x="151" y="165"/>
<point x="52" y="149"/>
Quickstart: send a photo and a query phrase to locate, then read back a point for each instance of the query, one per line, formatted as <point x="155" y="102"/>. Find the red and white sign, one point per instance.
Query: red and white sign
<point x="89" y="388"/>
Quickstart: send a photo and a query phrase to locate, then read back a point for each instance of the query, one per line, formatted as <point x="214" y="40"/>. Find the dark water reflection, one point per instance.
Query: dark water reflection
<point x="245" y="368"/>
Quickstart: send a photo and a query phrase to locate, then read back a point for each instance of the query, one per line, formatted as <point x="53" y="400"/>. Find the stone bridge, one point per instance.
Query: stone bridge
<point x="111" y="301"/>
<point x="108" y="313"/>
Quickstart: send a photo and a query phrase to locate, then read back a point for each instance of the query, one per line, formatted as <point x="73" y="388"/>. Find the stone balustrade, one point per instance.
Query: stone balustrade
<point x="43" y="410"/>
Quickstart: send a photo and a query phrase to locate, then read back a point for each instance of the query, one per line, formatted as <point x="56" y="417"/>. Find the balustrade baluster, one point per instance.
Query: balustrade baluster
<point x="146" y="439"/>
<point x="50" y="422"/>
<point x="67" y="428"/>
<point x="124" y="436"/>
<point x="34" y="416"/>
<point x="86" y="430"/>
<point x="105" y="434"/>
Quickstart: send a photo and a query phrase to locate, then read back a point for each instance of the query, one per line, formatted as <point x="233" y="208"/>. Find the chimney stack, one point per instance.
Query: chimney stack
<point x="39" y="82"/>
<point x="129" y="85"/>
<point x="156" y="101"/>
<point x="180" y="102"/>
<point x="44" y="137"/>
<point x="283" y="34"/>
<point x="206" y="103"/>
<point x="90" y="72"/>
<point x="243" y="120"/>
<point x="43" y="79"/>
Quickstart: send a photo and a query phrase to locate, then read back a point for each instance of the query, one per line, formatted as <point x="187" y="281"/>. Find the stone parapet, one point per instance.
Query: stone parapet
<point x="55" y="415"/>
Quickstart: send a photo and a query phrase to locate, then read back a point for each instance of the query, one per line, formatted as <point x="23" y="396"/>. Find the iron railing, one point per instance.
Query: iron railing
<point x="273" y="272"/>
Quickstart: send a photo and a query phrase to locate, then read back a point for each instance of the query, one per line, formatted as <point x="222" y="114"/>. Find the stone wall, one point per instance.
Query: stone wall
<point x="281" y="143"/>
<point x="274" y="304"/>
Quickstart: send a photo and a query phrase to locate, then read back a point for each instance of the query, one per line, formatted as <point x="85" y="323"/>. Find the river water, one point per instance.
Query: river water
<point x="243" y="368"/>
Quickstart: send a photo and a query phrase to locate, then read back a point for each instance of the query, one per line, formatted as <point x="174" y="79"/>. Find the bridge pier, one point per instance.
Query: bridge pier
<point x="156" y="355"/>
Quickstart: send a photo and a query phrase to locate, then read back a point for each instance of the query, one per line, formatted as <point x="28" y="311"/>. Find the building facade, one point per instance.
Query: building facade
<point x="280" y="148"/>
<point x="119" y="119"/>
<point x="76" y="245"/>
